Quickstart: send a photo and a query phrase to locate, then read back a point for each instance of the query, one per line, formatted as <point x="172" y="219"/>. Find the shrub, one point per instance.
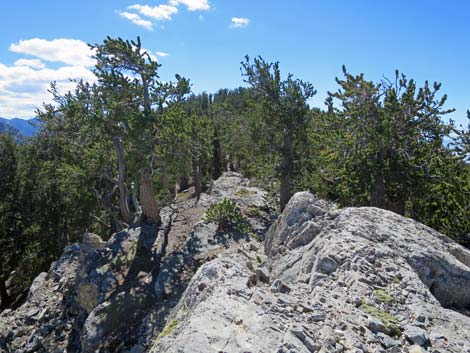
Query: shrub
<point x="226" y="215"/>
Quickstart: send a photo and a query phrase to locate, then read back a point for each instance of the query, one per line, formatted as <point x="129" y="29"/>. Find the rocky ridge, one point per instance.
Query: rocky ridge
<point x="321" y="279"/>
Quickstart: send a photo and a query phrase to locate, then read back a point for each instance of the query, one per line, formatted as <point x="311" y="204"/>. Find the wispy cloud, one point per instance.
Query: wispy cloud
<point x="239" y="22"/>
<point x="161" y="54"/>
<point x="192" y="5"/>
<point x="160" y="12"/>
<point x="33" y="63"/>
<point x="67" y="51"/>
<point x="137" y="20"/>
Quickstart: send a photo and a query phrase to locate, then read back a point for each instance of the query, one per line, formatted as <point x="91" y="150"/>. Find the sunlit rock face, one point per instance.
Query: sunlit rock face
<point x="339" y="280"/>
<point x="116" y="295"/>
<point x="315" y="279"/>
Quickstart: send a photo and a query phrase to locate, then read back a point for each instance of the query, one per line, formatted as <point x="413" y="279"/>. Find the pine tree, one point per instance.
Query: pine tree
<point x="282" y="115"/>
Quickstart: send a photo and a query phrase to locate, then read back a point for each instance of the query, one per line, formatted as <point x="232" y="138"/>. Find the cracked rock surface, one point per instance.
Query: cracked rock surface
<point x="353" y="280"/>
<point x="115" y="296"/>
<point x="321" y="279"/>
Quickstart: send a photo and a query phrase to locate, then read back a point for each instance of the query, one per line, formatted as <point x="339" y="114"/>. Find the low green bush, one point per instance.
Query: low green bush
<point x="227" y="216"/>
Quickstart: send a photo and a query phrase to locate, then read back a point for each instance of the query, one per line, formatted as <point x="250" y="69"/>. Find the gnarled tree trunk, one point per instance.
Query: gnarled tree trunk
<point x="183" y="183"/>
<point x="398" y="207"/>
<point x="165" y="182"/>
<point x="287" y="165"/>
<point x="4" y="297"/>
<point x="197" y="176"/>
<point x="150" y="211"/>
<point x="377" y="196"/>
<point x="123" y="191"/>
<point x="286" y="190"/>
<point x="135" y="200"/>
<point x="216" y="162"/>
<point x="115" y="225"/>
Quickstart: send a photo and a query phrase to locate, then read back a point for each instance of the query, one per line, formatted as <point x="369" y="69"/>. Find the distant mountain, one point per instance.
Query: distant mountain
<point x="26" y="127"/>
<point x="17" y="135"/>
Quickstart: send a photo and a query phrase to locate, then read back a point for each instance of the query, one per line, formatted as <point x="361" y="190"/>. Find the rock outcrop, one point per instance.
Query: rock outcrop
<point x="115" y="296"/>
<point x="321" y="279"/>
<point x="348" y="280"/>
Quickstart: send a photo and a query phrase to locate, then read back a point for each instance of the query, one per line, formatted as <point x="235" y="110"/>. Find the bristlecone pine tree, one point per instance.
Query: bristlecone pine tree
<point x="282" y="115"/>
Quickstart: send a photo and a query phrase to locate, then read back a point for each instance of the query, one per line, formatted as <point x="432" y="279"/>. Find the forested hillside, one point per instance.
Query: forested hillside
<point x="7" y="129"/>
<point x="26" y="127"/>
<point x="110" y="154"/>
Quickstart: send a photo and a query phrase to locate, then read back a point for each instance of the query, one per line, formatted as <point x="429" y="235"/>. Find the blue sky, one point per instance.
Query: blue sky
<point x="205" y="40"/>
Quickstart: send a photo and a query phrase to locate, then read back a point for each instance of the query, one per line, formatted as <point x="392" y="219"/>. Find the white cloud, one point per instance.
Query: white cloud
<point x="239" y="22"/>
<point x="137" y="20"/>
<point x="33" y="63"/>
<point x="68" y="51"/>
<point x="192" y="5"/>
<point x="20" y="105"/>
<point x="23" y="101"/>
<point x="24" y="85"/>
<point x="163" y="12"/>
<point x="160" y="12"/>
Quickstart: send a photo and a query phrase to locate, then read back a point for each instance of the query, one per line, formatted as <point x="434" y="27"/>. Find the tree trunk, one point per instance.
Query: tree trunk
<point x="115" y="225"/>
<point x="146" y="95"/>
<point x="4" y="297"/>
<point x="148" y="202"/>
<point x="184" y="183"/>
<point x="287" y="166"/>
<point x="286" y="190"/>
<point x="135" y="200"/>
<point x="197" y="176"/>
<point x="398" y="207"/>
<point x="165" y="182"/>
<point x="377" y="196"/>
<point x="123" y="191"/>
<point x="216" y="163"/>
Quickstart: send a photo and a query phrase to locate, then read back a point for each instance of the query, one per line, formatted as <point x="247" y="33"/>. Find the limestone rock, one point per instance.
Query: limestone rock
<point x="324" y="280"/>
<point x="116" y="295"/>
<point x="375" y="325"/>
<point x="386" y="340"/>
<point x="416" y="335"/>
<point x="366" y="299"/>
<point x="326" y="265"/>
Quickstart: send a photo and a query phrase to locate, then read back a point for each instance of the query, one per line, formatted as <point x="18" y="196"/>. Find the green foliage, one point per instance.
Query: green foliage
<point x="45" y="205"/>
<point x="9" y="210"/>
<point x="185" y="139"/>
<point x="280" y="117"/>
<point x="227" y="216"/>
<point x="104" y="146"/>
<point x="384" y="145"/>
<point x="384" y="136"/>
